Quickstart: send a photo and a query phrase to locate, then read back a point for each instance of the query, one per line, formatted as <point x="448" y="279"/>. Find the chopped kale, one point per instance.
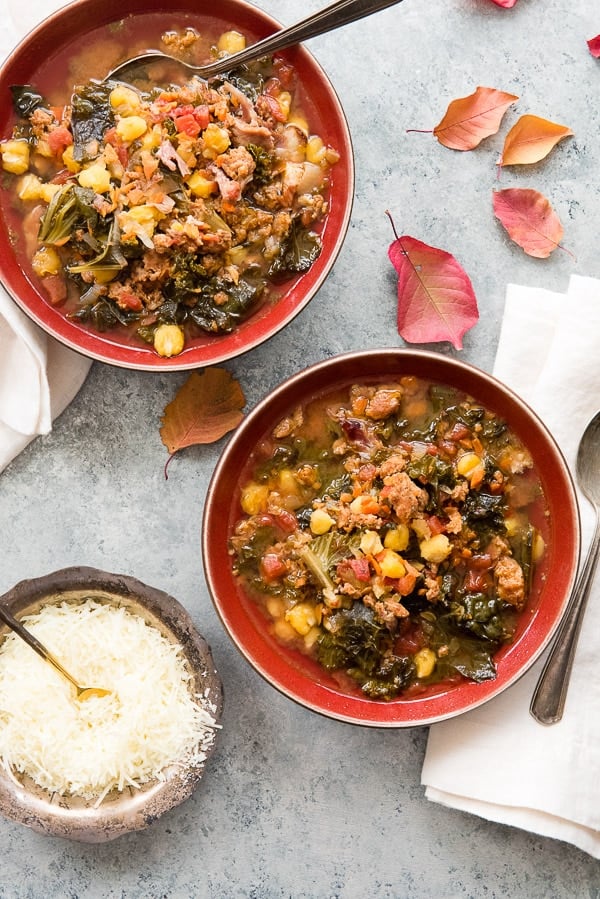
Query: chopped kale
<point x="298" y="251"/>
<point x="109" y="260"/>
<point x="469" y="656"/>
<point x="430" y="469"/>
<point x="522" y="543"/>
<point x="264" y="165"/>
<point x="484" y="513"/>
<point x="282" y="457"/>
<point x="483" y="616"/>
<point x="91" y="115"/>
<point x="188" y="275"/>
<point x="249" y="79"/>
<point x="332" y="490"/>
<point x="26" y="99"/>
<point x="355" y="639"/>
<point x="103" y="314"/>
<point x="71" y="208"/>
<point x="359" y="643"/>
<point x="241" y="299"/>
<point x="324" y="552"/>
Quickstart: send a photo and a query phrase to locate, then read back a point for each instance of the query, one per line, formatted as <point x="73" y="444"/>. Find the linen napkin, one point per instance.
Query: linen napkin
<point x="497" y="761"/>
<point x="38" y="376"/>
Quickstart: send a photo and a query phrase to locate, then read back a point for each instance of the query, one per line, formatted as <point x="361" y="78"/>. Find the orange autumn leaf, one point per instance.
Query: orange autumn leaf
<point x="530" y="139"/>
<point x="469" y="120"/>
<point x="529" y="220"/>
<point x="205" y="408"/>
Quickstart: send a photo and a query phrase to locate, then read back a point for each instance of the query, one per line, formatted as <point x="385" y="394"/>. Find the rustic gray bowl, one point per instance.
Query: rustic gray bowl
<point x="131" y="810"/>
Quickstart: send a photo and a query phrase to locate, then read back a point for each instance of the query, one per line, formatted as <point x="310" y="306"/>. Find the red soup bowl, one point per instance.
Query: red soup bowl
<point x="85" y="40"/>
<point x="249" y="614"/>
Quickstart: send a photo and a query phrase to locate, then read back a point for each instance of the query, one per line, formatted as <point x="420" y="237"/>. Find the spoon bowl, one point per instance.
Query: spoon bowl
<point x="548" y="701"/>
<point x="82" y="693"/>
<point x="334" y="16"/>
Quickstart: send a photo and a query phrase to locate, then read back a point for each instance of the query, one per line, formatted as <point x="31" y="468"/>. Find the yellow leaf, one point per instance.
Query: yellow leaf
<point x="530" y="139"/>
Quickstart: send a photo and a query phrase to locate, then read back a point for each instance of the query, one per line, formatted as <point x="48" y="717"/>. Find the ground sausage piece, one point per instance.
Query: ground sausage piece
<point x="237" y="164"/>
<point x="510" y="582"/>
<point x="289" y="424"/>
<point x="405" y="497"/>
<point x="384" y="403"/>
<point x="392" y="465"/>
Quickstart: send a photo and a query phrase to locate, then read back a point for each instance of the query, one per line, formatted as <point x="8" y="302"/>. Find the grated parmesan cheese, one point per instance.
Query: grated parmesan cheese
<point x="149" y="721"/>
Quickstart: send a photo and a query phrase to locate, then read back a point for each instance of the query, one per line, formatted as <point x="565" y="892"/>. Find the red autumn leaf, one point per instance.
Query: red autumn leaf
<point x="436" y="300"/>
<point x="594" y="45"/>
<point x="205" y="408"/>
<point x="507" y="4"/>
<point x="529" y="220"/>
<point x="530" y="139"/>
<point x="468" y="120"/>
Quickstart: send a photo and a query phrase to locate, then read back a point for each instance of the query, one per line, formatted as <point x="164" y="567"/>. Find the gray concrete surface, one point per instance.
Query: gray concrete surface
<point x="295" y="805"/>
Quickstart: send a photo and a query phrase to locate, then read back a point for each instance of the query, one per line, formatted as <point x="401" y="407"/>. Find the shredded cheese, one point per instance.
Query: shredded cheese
<point x="150" y="720"/>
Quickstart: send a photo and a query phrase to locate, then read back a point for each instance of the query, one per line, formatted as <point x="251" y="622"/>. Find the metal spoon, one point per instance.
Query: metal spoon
<point x="27" y="636"/>
<point x="341" y="13"/>
<point x="549" y="697"/>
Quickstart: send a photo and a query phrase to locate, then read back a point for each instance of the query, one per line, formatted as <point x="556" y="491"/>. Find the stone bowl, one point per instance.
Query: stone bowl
<point x="74" y="818"/>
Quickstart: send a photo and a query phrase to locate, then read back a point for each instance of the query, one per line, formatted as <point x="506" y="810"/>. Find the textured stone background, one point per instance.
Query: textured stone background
<point x="295" y="805"/>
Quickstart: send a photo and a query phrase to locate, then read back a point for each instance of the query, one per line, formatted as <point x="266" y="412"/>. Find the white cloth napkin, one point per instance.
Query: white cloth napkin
<point x="497" y="761"/>
<point x="38" y="376"/>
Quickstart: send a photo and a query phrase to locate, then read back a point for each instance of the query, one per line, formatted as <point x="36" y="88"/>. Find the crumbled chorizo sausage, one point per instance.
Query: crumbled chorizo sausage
<point x="405" y="497"/>
<point x="510" y="582"/>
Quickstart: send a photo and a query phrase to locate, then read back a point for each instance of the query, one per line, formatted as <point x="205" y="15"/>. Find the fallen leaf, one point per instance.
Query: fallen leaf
<point x="436" y="300"/>
<point x="468" y="120"/>
<point x="507" y="4"/>
<point x="529" y="220"/>
<point x="205" y="408"/>
<point x="594" y="45"/>
<point x="530" y="139"/>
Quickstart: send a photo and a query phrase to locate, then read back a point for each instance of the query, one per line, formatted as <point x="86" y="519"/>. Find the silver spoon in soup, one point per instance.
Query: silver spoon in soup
<point x="340" y="13"/>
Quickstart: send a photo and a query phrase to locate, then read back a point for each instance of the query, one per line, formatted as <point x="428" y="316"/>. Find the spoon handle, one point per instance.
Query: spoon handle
<point x="548" y="701"/>
<point x="343" y="12"/>
<point x="32" y="641"/>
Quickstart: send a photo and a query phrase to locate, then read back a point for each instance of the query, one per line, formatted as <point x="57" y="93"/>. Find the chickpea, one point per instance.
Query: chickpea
<point x="168" y="340"/>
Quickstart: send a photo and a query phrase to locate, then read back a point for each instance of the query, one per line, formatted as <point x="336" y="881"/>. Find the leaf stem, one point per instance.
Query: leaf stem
<point x="389" y="215"/>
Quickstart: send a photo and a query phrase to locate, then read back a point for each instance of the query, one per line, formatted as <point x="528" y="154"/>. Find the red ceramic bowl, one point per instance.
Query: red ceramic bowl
<point x="66" y="32"/>
<point x="297" y="676"/>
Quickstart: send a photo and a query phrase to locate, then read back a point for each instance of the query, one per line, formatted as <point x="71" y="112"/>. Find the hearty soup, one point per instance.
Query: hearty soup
<point x="166" y="208"/>
<point x="391" y="532"/>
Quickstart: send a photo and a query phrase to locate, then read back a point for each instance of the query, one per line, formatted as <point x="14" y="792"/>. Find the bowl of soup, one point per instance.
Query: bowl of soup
<point x="94" y="767"/>
<point x="167" y="222"/>
<point x="390" y="537"/>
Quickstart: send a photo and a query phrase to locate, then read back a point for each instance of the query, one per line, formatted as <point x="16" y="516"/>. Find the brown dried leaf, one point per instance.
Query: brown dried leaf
<point x="206" y="407"/>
